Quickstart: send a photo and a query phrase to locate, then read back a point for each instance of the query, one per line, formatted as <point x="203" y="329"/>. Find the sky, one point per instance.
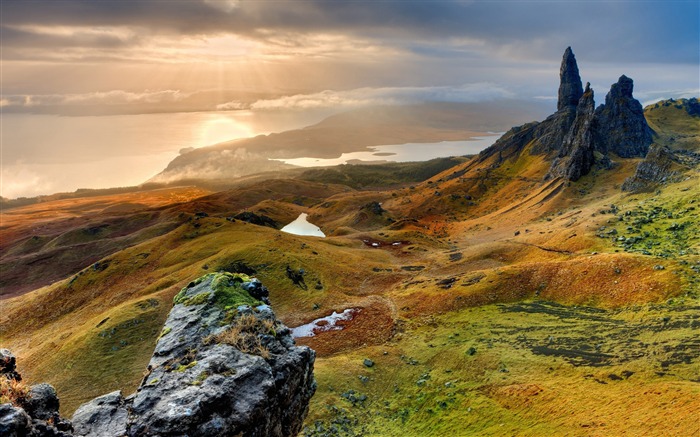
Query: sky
<point x="106" y="58"/>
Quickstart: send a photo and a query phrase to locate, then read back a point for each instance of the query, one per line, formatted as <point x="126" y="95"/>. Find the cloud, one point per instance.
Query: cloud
<point x="227" y="6"/>
<point x="660" y="31"/>
<point x="214" y="164"/>
<point x="474" y="92"/>
<point x="23" y="180"/>
<point x="647" y="98"/>
<point x="113" y="97"/>
<point x="228" y="106"/>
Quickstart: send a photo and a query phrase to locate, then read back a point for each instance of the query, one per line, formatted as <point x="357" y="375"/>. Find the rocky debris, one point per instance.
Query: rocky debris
<point x="42" y="402"/>
<point x="456" y="256"/>
<point x="8" y="366"/>
<point x="258" y="291"/>
<point x="576" y="156"/>
<point x="297" y="277"/>
<point x="260" y="220"/>
<point x="223" y="366"/>
<point x="620" y="124"/>
<point x="374" y="207"/>
<point x="570" y="86"/>
<point x="28" y="411"/>
<point x="14" y="421"/>
<point x="657" y="168"/>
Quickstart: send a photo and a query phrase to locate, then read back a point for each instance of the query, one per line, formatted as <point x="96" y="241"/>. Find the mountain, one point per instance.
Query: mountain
<point x="576" y="131"/>
<point x="348" y="132"/>
<point x="502" y="295"/>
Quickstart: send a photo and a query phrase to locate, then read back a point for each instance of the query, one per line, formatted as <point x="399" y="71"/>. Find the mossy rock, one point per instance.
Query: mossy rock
<point x="226" y="287"/>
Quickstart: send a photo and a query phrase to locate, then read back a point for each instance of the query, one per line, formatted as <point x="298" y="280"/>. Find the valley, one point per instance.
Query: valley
<point x="485" y="299"/>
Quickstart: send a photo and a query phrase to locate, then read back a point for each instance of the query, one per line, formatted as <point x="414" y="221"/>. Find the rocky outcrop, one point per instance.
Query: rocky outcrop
<point x="576" y="156"/>
<point x="547" y="136"/>
<point x="578" y="136"/>
<point x="658" y="167"/>
<point x="28" y="411"/>
<point x="223" y="366"/>
<point x="620" y="124"/>
<point x="570" y="86"/>
<point x="260" y="220"/>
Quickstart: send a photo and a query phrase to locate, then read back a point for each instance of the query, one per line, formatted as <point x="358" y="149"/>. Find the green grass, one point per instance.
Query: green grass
<point x="380" y="175"/>
<point x="510" y="369"/>
<point x="107" y="356"/>
<point x="663" y="225"/>
<point x="532" y="368"/>
<point x="673" y="123"/>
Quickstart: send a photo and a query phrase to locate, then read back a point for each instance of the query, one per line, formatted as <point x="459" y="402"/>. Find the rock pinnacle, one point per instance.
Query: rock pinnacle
<point x="570" y="86"/>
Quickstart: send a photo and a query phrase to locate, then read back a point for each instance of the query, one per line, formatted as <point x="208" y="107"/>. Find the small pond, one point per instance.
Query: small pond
<point x="301" y="226"/>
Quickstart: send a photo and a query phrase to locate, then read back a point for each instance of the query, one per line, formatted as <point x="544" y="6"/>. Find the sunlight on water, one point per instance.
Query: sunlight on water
<point x="220" y="128"/>
<point x="115" y="150"/>
<point x="402" y="152"/>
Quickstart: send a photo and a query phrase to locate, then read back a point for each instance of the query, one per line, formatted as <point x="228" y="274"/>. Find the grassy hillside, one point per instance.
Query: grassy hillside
<point x="486" y="300"/>
<point x="676" y="123"/>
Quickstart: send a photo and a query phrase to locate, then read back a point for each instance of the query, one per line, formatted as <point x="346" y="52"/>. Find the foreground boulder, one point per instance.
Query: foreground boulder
<point x="24" y="410"/>
<point x="223" y="366"/>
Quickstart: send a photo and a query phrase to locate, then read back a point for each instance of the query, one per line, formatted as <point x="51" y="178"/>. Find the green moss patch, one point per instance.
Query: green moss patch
<point x="227" y="289"/>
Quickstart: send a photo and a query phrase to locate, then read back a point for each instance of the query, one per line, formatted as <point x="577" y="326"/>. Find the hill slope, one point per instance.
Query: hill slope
<point x="486" y="299"/>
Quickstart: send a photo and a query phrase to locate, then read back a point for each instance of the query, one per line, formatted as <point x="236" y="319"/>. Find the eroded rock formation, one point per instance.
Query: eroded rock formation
<point x="620" y="124"/>
<point x="570" y="85"/>
<point x="576" y="156"/>
<point x="572" y="135"/>
<point x="223" y="366"/>
<point x="658" y="167"/>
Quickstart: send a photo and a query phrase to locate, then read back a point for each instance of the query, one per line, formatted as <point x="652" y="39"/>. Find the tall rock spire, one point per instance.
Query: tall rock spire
<point x="576" y="157"/>
<point x="570" y="86"/>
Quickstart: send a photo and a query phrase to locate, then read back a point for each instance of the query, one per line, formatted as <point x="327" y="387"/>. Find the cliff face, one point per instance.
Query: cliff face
<point x="571" y="135"/>
<point x="621" y="127"/>
<point x="223" y="365"/>
<point x="576" y="156"/>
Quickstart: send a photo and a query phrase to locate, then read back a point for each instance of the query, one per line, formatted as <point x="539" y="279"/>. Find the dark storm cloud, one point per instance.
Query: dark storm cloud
<point x="629" y="31"/>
